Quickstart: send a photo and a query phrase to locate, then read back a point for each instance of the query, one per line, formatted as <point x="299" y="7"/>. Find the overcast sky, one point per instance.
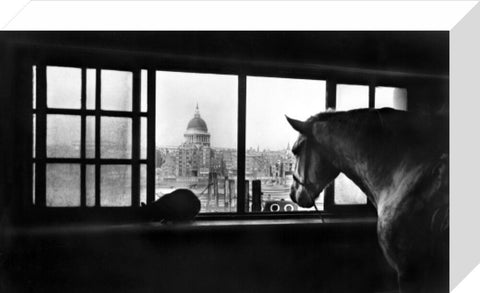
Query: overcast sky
<point x="270" y="99"/>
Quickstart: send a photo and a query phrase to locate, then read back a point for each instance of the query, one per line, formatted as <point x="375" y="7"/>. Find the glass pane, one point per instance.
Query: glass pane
<point x="34" y="86"/>
<point x="64" y="86"/>
<point x="90" y="185"/>
<point x="350" y="97"/>
<point x="115" y="186"/>
<point x="116" y="90"/>
<point x="143" y="183"/>
<point x="91" y="84"/>
<point x="391" y="97"/>
<point x="63" y="185"/>
<point x="347" y="192"/>
<point x="63" y="136"/>
<point x="143" y="91"/>
<point x="196" y="137"/>
<point x="116" y="137"/>
<point x="269" y="137"/>
<point x="90" y="137"/>
<point x="34" y="130"/>
<point x="143" y="138"/>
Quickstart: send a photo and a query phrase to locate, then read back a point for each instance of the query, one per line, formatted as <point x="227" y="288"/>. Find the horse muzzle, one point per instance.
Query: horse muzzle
<point x="301" y="196"/>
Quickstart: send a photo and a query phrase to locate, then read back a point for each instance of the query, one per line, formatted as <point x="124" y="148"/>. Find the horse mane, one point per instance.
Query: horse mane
<point x="409" y="127"/>
<point x="355" y="113"/>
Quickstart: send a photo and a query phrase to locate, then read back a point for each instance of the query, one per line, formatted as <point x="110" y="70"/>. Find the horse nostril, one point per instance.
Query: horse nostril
<point x="305" y="201"/>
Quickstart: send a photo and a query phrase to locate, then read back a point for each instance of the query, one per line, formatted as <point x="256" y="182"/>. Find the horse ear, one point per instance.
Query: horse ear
<point x="297" y="124"/>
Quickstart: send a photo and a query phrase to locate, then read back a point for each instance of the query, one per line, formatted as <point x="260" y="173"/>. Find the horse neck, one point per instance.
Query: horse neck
<point x="377" y="165"/>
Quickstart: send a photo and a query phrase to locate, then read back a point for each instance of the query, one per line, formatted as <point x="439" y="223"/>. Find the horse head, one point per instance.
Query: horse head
<point x="313" y="169"/>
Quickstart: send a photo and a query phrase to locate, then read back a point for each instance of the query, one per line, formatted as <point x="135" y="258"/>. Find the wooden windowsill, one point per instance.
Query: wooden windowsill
<point x="199" y="225"/>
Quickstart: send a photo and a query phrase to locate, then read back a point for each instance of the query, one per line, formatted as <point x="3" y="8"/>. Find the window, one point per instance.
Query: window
<point x="391" y="97"/>
<point x="87" y="138"/>
<point x="196" y="137"/>
<point x="269" y="137"/>
<point x="106" y="137"/>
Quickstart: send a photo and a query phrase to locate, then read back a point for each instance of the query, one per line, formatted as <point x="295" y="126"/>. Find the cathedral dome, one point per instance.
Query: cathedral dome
<point x="197" y="124"/>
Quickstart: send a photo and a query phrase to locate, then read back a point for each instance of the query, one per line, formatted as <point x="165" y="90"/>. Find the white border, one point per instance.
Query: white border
<point x="236" y="15"/>
<point x="464" y="150"/>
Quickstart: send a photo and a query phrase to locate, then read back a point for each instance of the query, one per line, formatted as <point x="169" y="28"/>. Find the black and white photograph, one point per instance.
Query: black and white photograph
<point x="225" y="161"/>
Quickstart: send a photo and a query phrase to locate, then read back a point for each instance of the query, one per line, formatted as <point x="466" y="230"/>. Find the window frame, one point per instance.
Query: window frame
<point x="136" y="61"/>
<point x="41" y="112"/>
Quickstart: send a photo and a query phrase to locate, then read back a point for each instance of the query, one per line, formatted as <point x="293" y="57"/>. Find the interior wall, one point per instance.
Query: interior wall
<point x="155" y="258"/>
<point x="424" y="52"/>
<point x="429" y="97"/>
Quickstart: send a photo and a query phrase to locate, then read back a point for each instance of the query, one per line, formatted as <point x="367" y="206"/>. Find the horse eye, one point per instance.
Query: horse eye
<point x="294" y="151"/>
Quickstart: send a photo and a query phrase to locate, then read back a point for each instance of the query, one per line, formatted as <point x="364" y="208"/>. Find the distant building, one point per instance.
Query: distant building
<point x="229" y="158"/>
<point x="266" y="163"/>
<point x="197" y="131"/>
<point x="194" y="156"/>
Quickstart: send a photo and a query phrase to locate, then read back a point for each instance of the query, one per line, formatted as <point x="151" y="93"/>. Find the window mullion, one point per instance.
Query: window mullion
<point x="371" y="104"/>
<point x="83" y="196"/>
<point x="242" y="105"/>
<point x="331" y="102"/>
<point x="151" y="87"/>
<point x="41" y="137"/>
<point x="136" y="139"/>
<point x="98" y="87"/>
<point x="331" y="95"/>
<point x="371" y="95"/>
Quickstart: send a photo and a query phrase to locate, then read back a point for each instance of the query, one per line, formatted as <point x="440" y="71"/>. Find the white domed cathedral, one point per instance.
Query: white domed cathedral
<point x="197" y="131"/>
<point x="195" y="154"/>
